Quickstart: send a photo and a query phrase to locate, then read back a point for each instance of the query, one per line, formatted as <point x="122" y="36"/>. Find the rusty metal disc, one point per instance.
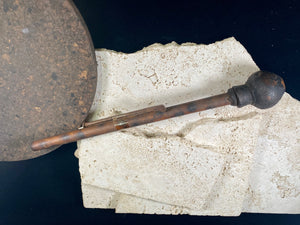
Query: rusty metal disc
<point x="48" y="73"/>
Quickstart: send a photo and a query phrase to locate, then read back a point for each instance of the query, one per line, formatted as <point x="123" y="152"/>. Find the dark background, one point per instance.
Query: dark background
<point x="47" y="190"/>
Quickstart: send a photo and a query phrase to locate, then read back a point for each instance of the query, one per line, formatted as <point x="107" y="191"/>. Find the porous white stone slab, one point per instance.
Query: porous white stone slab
<point x="172" y="74"/>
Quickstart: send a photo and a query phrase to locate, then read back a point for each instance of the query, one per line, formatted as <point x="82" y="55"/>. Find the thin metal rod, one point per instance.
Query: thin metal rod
<point x="262" y="89"/>
<point x="132" y="119"/>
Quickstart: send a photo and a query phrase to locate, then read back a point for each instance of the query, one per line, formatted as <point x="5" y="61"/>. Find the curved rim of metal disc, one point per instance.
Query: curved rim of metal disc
<point x="48" y="74"/>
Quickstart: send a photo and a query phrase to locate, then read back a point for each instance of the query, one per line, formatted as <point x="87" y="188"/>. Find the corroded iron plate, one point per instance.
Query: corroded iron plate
<point x="48" y="73"/>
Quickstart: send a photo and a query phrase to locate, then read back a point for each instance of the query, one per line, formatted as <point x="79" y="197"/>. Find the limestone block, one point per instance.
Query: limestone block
<point x="197" y="164"/>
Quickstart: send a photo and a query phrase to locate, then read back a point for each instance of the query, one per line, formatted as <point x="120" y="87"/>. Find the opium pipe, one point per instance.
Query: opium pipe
<point x="262" y="89"/>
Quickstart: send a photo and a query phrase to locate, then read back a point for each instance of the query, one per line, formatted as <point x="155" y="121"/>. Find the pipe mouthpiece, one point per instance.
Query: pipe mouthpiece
<point x="263" y="90"/>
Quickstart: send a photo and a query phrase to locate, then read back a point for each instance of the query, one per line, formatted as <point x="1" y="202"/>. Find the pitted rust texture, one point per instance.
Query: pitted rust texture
<point x="48" y="73"/>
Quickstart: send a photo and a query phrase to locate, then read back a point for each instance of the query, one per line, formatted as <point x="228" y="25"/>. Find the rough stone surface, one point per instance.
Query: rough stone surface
<point x="197" y="164"/>
<point x="269" y="191"/>
<point x="95" y="197"/>
<point x="163" y="169"/>
<point x="274" y="183"/>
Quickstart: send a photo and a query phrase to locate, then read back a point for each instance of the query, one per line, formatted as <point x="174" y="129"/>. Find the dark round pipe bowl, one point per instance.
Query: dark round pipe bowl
<point x="263" y="90"/>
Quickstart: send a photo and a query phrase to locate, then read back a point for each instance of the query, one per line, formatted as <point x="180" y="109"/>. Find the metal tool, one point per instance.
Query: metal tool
<point x="262" y="89"/>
